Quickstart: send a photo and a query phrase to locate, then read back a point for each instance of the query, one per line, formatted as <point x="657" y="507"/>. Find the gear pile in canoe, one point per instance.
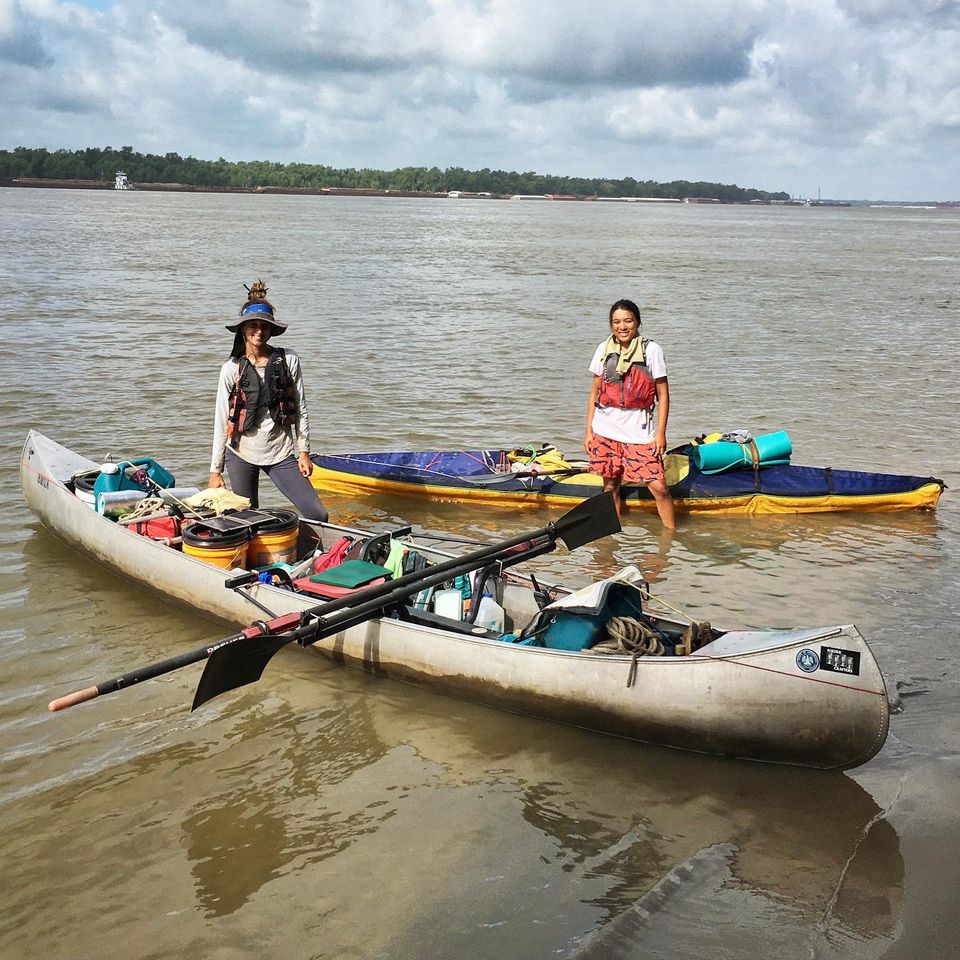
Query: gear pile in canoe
<point x="607" y="657"/>
<point x="706" y="476"/>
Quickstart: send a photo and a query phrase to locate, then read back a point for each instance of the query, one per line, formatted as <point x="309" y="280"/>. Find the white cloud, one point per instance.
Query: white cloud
<point x="857" y="96"/>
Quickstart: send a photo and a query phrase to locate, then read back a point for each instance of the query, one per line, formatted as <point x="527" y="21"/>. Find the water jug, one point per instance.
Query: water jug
<point x="448" y="603"/>
<point x="490" y="614"/>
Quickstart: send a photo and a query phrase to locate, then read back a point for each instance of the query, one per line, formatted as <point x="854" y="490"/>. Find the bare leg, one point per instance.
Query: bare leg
<point x="612" y="485"/>
<point x="661" y="495"/>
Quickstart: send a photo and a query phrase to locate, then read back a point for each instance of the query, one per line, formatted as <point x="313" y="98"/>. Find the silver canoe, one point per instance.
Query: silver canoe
<point x="811" y="697"/>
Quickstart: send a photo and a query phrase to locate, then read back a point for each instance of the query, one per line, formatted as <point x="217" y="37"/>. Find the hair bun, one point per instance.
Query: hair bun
<point x="256" y="291"/>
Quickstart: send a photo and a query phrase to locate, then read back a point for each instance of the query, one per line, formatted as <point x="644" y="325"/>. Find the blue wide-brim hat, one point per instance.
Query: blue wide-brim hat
<point x="258" y="311"/>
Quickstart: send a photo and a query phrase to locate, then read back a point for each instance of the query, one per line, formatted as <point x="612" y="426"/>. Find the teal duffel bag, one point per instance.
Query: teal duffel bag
<point x="580" y="630"/>
<point x="768" y="450"/>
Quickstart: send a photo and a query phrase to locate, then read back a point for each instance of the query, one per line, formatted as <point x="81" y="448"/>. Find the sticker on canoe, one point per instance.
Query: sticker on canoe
<point x="807" y="660"/>
<point x="840" y="661"/>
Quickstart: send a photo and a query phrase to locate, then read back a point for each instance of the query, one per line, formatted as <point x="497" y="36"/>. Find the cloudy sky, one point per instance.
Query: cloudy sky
<point x="855" y="99"/>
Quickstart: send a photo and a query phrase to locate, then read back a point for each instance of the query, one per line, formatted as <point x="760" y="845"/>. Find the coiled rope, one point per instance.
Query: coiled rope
<point x="635" y="638"/>
<point x="151" y="506"/>
<point x="625" y="635"/>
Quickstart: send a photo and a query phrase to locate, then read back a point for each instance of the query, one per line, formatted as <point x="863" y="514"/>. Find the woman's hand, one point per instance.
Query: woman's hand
<point x="305" y="463"/>
<point x="587" y="440"/>
<point x="216" y="480"/>
<point x="660" y="443"/>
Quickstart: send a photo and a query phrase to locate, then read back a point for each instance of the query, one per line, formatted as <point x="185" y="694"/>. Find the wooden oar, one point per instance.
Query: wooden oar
<point x="232" y="663"/>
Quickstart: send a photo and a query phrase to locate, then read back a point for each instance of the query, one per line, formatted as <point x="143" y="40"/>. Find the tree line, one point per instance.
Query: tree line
<point x="96" y="163"/>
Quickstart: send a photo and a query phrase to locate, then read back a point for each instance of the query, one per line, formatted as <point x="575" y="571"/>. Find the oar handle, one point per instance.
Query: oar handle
<point x="137" y="676"/>
<point x="72" y="699"/>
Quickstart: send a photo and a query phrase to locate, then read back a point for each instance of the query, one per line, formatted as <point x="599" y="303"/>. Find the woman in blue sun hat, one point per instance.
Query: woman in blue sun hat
<point x="261" y="421"/>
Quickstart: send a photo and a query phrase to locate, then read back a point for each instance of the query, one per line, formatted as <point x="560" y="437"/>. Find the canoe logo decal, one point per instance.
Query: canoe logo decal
<point x="808" y="660"/>
<point x="840" y="661"/>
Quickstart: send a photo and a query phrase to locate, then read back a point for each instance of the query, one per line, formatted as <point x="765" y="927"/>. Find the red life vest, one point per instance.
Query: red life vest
<point x="635" y="390"/>
<point x="250" y="396"/>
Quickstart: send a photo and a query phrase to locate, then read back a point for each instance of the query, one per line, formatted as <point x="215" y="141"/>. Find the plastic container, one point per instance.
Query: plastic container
<point x="83" y="488"/>
<point x="275" y="542"/>
<point x="117" y="476"/>
<point x="448" y="603"/>
<point x="227" y="550"/>
<point x="490" y="615"/>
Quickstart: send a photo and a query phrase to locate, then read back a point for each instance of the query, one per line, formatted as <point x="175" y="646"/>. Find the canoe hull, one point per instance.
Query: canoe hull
<point x="742" y="696"/>
<point x="752" y="707"/>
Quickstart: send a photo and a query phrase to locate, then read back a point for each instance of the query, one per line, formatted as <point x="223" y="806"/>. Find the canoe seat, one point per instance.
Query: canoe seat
<point x="343" y="579"/>
<point x="330" y="591"/>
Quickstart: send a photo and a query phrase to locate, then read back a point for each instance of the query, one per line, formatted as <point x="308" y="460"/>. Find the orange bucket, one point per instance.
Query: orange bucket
<point x="275" y="541"/>
<point x="227" y="550"/>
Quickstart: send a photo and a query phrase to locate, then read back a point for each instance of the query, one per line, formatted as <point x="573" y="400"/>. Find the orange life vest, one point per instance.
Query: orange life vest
<point x="635" y="390"/>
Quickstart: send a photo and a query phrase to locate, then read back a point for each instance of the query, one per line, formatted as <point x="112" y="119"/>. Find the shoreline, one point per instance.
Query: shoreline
<point x="63" y="184"/>
<point x="58" y="184"/>
<point x="45" y="183"/>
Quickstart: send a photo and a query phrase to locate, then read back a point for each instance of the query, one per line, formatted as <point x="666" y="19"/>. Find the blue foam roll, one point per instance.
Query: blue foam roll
<point x="773" y="449"/>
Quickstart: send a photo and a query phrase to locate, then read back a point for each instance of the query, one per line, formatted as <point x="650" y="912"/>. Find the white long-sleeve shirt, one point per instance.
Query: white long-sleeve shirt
<point x="267" y="442"/>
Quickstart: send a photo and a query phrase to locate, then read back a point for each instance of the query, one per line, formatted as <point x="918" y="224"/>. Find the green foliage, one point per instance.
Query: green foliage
<point x="94" y="163"/>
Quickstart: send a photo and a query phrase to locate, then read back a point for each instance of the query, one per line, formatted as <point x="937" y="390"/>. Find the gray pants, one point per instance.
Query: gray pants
<point x="286" y="476"/>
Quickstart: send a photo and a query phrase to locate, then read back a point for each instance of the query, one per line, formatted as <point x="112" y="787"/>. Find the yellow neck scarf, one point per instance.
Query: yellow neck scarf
<point x="628" y="356"/>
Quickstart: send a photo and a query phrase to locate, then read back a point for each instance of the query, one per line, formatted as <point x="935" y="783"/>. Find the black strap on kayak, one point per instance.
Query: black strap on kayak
<point x="828" y="476"/>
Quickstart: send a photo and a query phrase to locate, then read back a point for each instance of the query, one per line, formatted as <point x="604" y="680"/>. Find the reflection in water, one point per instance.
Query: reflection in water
<point x="237" y="841"/>
<point x="225" y="844"/>
<point x="812" y="846"/>
<point x="839" y="869"/>
<point x="687" y="912"/>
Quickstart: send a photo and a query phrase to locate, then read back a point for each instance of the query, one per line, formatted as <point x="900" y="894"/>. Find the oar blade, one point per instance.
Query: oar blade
<point x="235" y="665"/>
<point x="590" y="520"/>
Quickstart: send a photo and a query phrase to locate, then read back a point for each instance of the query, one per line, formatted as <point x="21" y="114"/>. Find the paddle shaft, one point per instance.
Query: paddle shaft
<point x="588" y="520"/>
<point x="326" y="624"/>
